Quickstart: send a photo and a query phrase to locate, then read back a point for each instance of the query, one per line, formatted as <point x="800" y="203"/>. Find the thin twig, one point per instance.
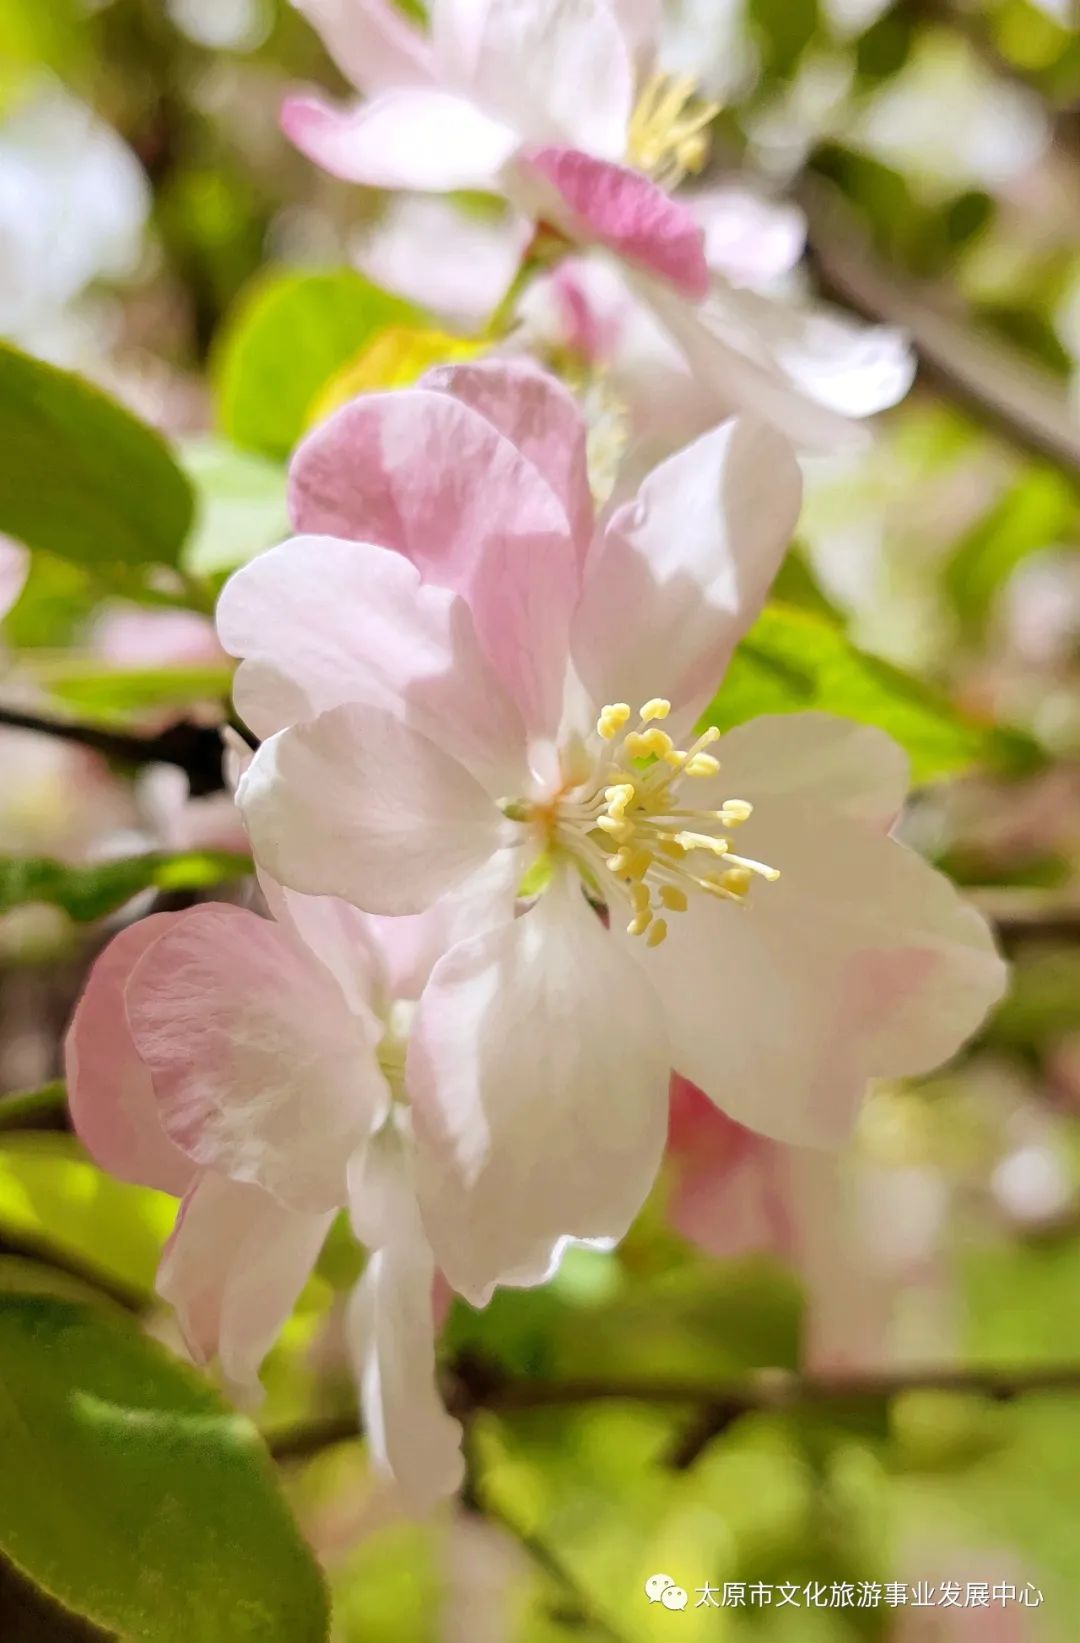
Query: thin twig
<point x="195" y="749"/>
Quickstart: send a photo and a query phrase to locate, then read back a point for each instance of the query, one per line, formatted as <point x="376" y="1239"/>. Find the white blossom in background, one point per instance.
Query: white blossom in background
<point x="74" y="203"/>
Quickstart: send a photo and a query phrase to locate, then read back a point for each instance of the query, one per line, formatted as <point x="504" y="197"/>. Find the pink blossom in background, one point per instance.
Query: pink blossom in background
<point x="14" y="566"/>
<point x="859" y="1236"/>
<point x="558" y="107"/>
<point x="279" y="1107"/>
<point x="458" y="672"/>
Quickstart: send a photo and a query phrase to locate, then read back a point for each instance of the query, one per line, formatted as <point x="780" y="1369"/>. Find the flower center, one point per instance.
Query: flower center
<point x="668" y="129"/>
<point x="633" y="828"/>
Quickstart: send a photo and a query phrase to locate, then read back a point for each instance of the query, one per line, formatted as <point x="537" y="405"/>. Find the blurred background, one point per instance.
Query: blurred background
<point x="918" y="1298"/>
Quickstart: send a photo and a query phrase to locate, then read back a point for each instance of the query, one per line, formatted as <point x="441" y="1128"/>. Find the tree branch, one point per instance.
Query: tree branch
<point x="767" y="1390"/>
<point x="196" y="749"/>
<point x="994" y="382"/>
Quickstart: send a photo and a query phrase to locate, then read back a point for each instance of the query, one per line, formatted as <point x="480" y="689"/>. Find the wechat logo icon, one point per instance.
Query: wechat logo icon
<point x="662" y="1589"/>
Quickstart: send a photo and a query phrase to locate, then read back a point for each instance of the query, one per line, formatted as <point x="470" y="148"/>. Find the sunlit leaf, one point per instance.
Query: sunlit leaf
<point x="97" y="691"/>
<point x="396" y="357"/>
<point x="81" y="476"/>
<point x="134" y="1495"/>
<point x="89" y="892"/>
<point x="793" y="660"/>
<point x="241" y="505"/>
<point x="53" y="1197"/>
<point x="287" y="336"/>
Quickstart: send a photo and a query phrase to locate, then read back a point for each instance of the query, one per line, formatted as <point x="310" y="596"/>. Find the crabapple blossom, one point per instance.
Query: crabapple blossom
<point x="254" y="1068"/>
<point x="560" y="108"/>
<point x="459" y="671"/>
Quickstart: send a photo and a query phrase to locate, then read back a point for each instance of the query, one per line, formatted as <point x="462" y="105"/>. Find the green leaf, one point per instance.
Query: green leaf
<point x="98" y="691"/>
<point x="132" y="1494"/>
<point x="241" y="506"/>
<point x="793" y="660"/>
<point x="287" y="336"/>
<point x="90" y="892"/>
<point x="82" y="477"/>
<point x="54" y="1199"/>
<point x="1037" y="512"/>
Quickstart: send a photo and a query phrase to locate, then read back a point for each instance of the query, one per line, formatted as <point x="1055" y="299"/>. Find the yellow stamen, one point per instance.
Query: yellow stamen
<point x="657" y="934"/>
<point x="674" y="899"/>
<point x="612" y="719"/>
<point x="657" y="707"/>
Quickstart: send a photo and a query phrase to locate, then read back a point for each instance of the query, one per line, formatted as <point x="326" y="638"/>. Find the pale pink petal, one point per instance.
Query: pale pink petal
<point x="421" y="139"/>
<point x="860" y="962"/>
<point x="321" y="622"/>
<point x="260" y="1069"/>
<point x="541" y="418"/>
<point x="372" y="42"/>
<point x="454" y="262"/>
<point x="640" y="21"/>
<point x="685" y="567"/>
<point x="748" y="238"/>
<point x="728" y="1188"/>
<point x="110" y="1094"/>
<point x="14" y="569"/>
<point x="425" y="474"/>
<point x="601" y="203"/>
<point x="233" y="1270"/>
<point x="339" y="936"/>
<point x="131" y="636"/>
<point x="538" y="1070"/>
<point x="817" y="759"/>
<point x="355" y="804"/>
<point x="411" y="946"/>
<point x="850" y="368"/>
<point x="558" y="71"/>
<point x="392" y="1328"/>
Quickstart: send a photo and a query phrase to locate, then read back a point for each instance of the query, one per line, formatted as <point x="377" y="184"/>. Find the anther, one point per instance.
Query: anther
<point x="611" y="720"/>
<point x="657" y="934"/>
<point x="657" y="707"/>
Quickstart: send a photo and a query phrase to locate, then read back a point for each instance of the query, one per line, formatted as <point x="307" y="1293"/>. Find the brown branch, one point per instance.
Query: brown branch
<point x="195" y="749"/>
<point x="994" y="382"/>
<point x="767" y="1390"/>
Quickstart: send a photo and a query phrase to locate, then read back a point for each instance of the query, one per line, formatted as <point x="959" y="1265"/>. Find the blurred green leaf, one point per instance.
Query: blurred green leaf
<point x="287" y="336"/>
<point x="241" y="505"/>
<point x="134" y="1495"/>
<point x="793" y="660"/>
<point x="1035" y="513"/>
<point x="782" y="29"/>
<point x="81" y="476"/>
<point x="53" y="1197"/>
<point x="1043" y="1002"/>
<point x="35" y="37"/>
<point x="90" y="892"/>
<point x="106" y="693"/>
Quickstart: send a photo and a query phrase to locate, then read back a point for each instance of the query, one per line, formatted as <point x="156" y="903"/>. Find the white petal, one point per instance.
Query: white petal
<point x="320" y="622"/>
<point x="860" y="962"/>
<point x="538" y="1072"/>
<point x="371" y="41"/>
<point x="450" y="261"/>
<point x="357" y="805"/>
<point x="817" y="760"/>
<point x="403" y="139"/>
<point x="684" y="568"/>
<point x="556" y="70"/>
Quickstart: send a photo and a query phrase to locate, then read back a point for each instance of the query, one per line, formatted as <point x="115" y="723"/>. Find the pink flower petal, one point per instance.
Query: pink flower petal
<point x="372" y="42"/>
<point x="605" y="204"/>
<point x="445" y="258"/>
<point x="356" y="804"/>
<point x="728" y="1187"/>
<point x="540" y="417"/>
<point x="110" y="1094"/>
<point x="422" y="139"/>
<point x="684" y="568"/>
<point x="538" y="1072"/>
<point x="425" y="474"/>
<point x="260" y="1069"/>
<point x="233" y="1269"/>
<point x="14" y="569"/>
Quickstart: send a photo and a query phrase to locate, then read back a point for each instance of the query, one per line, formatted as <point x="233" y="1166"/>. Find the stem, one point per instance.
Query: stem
<point x="195" y="749"/>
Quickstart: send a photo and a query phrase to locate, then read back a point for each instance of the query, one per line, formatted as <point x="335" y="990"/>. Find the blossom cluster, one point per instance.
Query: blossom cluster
<point x="511" y="877"/>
